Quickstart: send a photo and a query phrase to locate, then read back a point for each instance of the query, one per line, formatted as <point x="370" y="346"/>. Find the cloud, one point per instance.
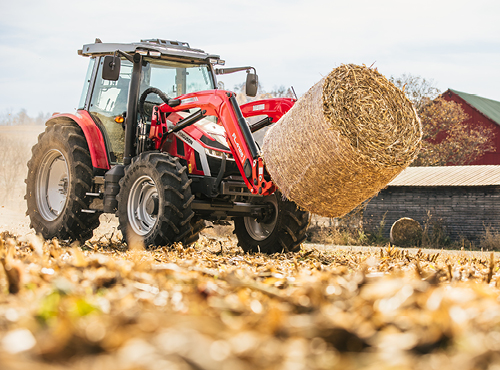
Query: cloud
<point x="289" y="42"/>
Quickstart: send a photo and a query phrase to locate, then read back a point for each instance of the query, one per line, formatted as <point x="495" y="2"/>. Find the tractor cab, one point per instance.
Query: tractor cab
<point x="171" y="66"/>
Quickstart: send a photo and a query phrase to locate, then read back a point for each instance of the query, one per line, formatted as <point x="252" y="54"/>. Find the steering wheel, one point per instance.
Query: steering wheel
<point x="146" y="107"/>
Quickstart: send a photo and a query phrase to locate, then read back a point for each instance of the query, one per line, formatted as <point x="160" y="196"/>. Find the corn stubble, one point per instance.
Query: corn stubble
<point x="343" y="141"/>
<point x="213" y="307"/>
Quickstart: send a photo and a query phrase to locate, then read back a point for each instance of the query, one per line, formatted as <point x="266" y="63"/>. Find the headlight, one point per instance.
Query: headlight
<point x="215" y="153"/>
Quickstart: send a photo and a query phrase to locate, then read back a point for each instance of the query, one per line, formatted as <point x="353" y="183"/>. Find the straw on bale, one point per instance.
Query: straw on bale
<point x="343" y="141"/>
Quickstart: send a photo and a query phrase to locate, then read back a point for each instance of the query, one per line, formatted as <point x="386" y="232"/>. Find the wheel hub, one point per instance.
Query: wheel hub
<point x="261" y="229"/>
<point x="152" y="206"/>
<point x="52" y="183"/>
<point x="143" y="205"/>
<point x="63" y="186"/>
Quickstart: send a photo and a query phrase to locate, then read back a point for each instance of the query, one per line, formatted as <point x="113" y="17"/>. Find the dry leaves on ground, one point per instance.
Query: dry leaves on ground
<point x="213" y="307"/>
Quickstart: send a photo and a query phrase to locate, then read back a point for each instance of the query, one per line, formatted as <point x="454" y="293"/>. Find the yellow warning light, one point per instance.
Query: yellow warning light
<point x="119" y="119"/>
<point x="190" y="169"/>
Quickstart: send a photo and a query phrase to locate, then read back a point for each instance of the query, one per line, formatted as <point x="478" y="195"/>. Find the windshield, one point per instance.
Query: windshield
<point x="175" y="78"/>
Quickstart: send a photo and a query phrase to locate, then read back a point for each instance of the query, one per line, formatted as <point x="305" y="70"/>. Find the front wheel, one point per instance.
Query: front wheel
<point x="282" y="230"/>
<point x="154" y="203"/>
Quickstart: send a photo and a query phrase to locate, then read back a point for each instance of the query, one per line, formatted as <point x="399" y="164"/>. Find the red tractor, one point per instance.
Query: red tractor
<point x="157" y="143"/>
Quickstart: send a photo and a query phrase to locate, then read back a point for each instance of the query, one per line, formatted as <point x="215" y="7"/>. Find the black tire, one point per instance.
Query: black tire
<point x="59" y="177"/>
<point x="154" y="202"/>
<point x="198" y="226"/>
<point x="283" y="231"/>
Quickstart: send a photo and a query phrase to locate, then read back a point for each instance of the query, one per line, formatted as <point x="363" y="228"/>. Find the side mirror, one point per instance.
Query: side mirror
<point x="252" y="84"/>
<point x="111" y="68"/>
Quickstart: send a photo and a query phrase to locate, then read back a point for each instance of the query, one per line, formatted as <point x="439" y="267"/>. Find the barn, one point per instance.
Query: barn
<point x="482" y="112"/>
<point x="464" y="200"/>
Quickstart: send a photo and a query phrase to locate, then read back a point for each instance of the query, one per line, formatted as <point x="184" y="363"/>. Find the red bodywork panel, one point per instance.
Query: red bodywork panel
<point x="216" y="103"/>
<point x="274" y="108"/>
<point x="187" y="152"/>
<point x="93" y="136"/>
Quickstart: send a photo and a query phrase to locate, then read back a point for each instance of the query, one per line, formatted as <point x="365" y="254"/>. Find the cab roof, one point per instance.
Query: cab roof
<point x="147" y="46"/>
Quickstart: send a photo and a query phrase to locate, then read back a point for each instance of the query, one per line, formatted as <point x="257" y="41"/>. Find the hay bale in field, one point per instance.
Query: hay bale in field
<point x="343" y="141"/>
<point x="406" y="232"/>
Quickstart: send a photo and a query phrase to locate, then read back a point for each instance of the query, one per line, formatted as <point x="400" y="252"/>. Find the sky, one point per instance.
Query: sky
<point x="454" y="43"/>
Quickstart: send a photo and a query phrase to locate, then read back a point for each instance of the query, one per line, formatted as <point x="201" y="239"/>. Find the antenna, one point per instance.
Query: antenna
<point x="293" y="90"/>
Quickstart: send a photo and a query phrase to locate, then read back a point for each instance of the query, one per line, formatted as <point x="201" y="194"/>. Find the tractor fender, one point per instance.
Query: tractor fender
<point x="93" y="136"/>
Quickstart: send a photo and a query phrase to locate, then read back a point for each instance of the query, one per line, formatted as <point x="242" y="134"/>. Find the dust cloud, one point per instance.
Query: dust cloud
<point x="15" y="152"/>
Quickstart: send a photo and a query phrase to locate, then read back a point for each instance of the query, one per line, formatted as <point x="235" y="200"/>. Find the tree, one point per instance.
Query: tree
<point x="417" y="89"/>
<point x="282" y="92"/>
<point x="22" y="118"/>
<point x="447" y="139"/>
<point x="277" y="92"/>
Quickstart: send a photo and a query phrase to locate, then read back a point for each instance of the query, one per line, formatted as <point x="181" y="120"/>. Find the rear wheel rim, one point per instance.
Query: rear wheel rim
<point x="52" y="183"/>
<point x="260" y="231"/>
<point x="141" y="214"/>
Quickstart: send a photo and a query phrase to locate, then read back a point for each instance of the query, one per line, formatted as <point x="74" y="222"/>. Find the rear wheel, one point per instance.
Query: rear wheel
<point x="154" y="202"/>
<point x="59" y="177"/>
<point x="282" y="230"/>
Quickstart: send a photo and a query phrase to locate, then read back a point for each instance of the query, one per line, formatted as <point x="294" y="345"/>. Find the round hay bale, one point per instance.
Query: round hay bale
<point x="343" y="141"/>
<point x="406" y="232"/>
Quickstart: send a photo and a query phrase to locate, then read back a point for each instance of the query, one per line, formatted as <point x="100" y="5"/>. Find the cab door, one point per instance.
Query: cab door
<point x="108" y="104"/>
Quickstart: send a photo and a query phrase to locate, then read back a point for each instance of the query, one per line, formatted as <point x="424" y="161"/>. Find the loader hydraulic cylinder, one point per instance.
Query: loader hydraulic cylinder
<point x="242" y="123"/>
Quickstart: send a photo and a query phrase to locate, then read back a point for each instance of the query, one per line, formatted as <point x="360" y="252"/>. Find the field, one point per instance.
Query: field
<point x="211" y="306"/>
<point x="103" y="305"/>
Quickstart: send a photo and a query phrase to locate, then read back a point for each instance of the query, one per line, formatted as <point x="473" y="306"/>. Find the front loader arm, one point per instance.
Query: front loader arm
<point x="221" y="104"/>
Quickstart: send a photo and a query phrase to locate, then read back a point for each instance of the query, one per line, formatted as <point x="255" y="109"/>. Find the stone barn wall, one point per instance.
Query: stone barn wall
<point x="464" y="211"/>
